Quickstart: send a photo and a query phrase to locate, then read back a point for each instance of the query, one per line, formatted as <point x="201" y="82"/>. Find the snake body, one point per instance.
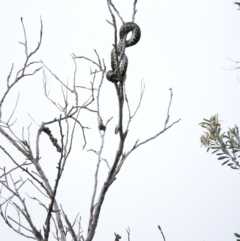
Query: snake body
<point x="112" y="75"/>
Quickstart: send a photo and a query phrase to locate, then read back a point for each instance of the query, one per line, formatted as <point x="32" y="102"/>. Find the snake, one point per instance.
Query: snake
<point x="126" y="28"/>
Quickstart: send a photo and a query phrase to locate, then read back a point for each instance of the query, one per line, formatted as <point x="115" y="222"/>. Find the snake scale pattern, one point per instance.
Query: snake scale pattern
<point x="136" y="35"/>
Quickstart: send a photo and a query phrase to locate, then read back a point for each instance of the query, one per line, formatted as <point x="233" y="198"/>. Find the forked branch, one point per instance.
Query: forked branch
<point x="21" y="73"/>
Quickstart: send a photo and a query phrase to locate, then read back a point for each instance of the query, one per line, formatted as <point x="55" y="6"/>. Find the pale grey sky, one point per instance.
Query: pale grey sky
<point x="170" y="181"/>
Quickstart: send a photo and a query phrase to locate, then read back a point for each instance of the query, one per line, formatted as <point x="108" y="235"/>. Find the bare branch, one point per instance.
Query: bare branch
<point x="140" y="99"/>
<point x="81" y="238"/>
<point x="149" y="139"/>
<point x="13" y="109"/>
<point x="23" y="169"/>
<point x="110" y="22"/>
<point x="110" y="2"/>
<point x="169" y="106"/>
<point x="25" y="212"/>
<point x="105" y="160"/>
<point x="55" y="76"/>
<point x="236" y="62"/>
<point x="20" y="225"/>
<point x="139" y="103"/>
<point x="74" y="81"/>
<point x="99" y="62"/>
<point x="33" y="120"/>
<point x="56" y="230"/>
<point x="82" y="57"/>
<point x="25" y="37"/>
<point x="7" y="200"/>
<point x="83" y="87"/>
<point x="72" y="112"/>
<point x="14" y="229"/>
<point x="83" y="132"/>
<point x="102" y="159"/>
<point x="99" y="119"/>
<point x="40" y="40"/>
<point x="134" y="10"/>
<point x="128" y="232"/>
<point x="137" y="143"/>
<point x="45" y="81"/>
<point x="39" y="202"/>
<point x="70" y="226"/>
<point x="9" y="75"/>
<point x="37" y="188"/>
<point x="161" y="233"/>
<point x="50" y="209"/>
<point x="54" y="192"/>
<point x="13" y="169"/>
<point x="21" y="73"/>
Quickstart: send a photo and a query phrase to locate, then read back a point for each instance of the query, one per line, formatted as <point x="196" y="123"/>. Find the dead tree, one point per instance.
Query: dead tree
<point x="69" y="118"/>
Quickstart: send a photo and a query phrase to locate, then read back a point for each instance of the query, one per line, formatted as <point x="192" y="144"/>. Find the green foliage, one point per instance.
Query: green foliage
<point x="237" y="235"/>
<point x="225" y="145"/>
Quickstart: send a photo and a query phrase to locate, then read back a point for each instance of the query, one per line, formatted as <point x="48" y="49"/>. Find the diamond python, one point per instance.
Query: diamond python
<point x="136" y="35"/>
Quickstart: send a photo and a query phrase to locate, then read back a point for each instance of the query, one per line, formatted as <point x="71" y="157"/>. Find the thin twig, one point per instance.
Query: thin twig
<point x="55" y="76"/>
<point x="99" y="153"/>
<point x="161" y="232"/>
<point x="21" y="73"/>
<point x="169" y="106"/>
<point x="9" y="75"/>
<point x="134" y="10"/>
<point x="23" y="169"/>
<point x="128" y="232"/>
<point x="83" y="87"/>
<point x="24" y="164"/>
<point x="82" y="57"/>
<point x="110" y="2"/>
<point x="130" y="116"/>
<point x="137" y="143"/>
<point x="13" y="109"/>
<point x="19" y="224"/>
<point x="70" y="226"/>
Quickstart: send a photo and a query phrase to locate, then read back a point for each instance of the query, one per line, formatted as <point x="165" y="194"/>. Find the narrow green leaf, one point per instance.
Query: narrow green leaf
<point x="206" y="120"/>
<point x="202" y="124"/>
<point x="237" y="235"/>
<point x="225" y="162"/>
<point x="222" y="157"/>
<point x="215" y="151"/>
<point x="232" y="130"/>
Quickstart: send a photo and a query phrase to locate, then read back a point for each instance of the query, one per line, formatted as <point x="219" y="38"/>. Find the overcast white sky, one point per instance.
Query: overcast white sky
<point x="170" y="181"/>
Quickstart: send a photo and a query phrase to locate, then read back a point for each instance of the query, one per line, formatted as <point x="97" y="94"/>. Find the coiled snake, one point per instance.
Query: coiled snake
<point x="112" y="75"/>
